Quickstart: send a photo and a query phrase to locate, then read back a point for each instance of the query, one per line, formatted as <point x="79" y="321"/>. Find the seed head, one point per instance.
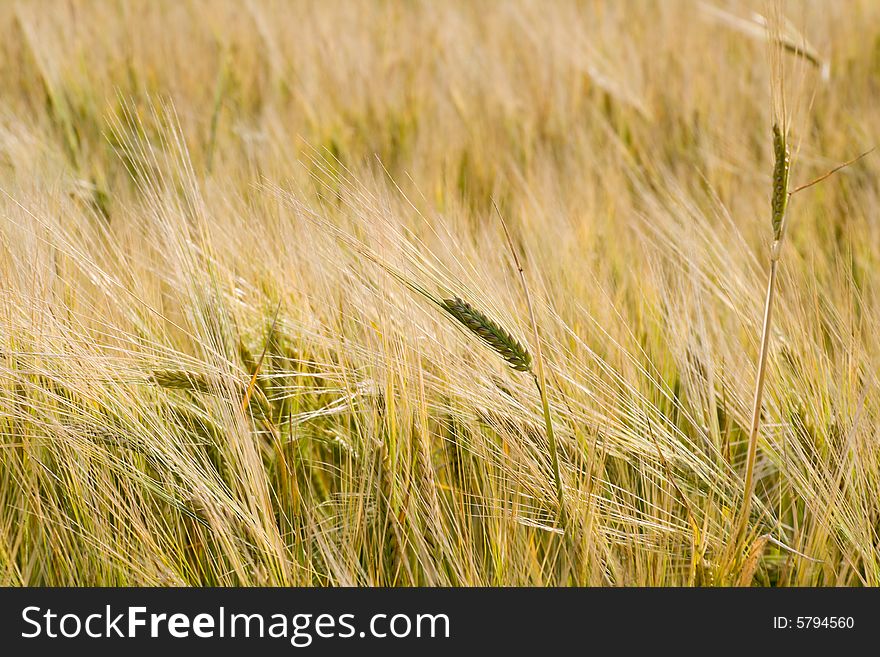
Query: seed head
<point x="780" y="181"/>
<point x="182" y="380"/>
<point x="490" y="332"/>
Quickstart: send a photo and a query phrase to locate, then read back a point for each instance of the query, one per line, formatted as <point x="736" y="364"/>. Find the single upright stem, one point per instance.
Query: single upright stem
<point x="779" y="203"/>
<point x="748" y="488"/>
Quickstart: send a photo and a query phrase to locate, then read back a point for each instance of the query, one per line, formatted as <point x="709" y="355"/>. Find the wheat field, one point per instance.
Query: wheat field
<point x="254" y="275"/>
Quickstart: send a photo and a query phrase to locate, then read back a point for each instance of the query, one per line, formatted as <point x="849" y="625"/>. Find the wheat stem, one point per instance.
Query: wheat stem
<point x="540" y="379"/>
<point x="779" y="205"/>
<point x="754" y="428"/>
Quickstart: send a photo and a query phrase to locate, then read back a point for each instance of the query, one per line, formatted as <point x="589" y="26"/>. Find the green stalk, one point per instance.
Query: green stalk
<point x="779" y="205"/>
<point x="540" y="379"/>
<point x="749" y="485"/>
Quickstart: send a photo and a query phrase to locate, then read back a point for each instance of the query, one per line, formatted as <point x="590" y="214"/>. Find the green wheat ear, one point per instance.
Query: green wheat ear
<point x="181" y="380"/>
<point x="780" y="181"/>
<point x="490" y="332"/>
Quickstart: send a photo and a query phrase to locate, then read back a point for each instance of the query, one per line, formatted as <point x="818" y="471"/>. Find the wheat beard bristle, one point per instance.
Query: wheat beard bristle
<point x="490" y="332"/>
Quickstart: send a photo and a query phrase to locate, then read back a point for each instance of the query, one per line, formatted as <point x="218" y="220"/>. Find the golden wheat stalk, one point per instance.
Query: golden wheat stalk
<point x="779" y="204"/>
<point x="540" y="378"/>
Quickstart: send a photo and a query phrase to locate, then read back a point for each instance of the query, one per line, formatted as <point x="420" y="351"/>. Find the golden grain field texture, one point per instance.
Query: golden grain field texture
<point x="262" y="320"/>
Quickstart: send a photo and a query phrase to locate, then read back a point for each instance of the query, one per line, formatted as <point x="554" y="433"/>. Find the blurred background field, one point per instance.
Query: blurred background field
<point x="173" y="174"/>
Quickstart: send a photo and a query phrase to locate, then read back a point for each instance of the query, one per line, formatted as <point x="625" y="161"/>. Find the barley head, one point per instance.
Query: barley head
<point x="780" y="181"/>
<point x="490" y="332"/>
<point x="181" y="380"/>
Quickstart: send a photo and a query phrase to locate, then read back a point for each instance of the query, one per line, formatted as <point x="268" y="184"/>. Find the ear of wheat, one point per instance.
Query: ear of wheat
<point x="780" y="182"/>
<point x="182" y="380"/>
<point x="490" y="332"/>
<point x="778" y="203"/>
<point x="196" y="382"/>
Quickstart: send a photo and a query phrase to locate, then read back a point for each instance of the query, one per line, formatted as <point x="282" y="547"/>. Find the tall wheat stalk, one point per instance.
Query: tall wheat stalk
<point x="516" y="355"/>
<point x="779" y="204"/>
<point x="540" y="378"/>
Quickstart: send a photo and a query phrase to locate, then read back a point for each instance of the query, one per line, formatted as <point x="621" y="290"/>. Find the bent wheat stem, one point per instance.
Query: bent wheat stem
<point x="540" y="379"/>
